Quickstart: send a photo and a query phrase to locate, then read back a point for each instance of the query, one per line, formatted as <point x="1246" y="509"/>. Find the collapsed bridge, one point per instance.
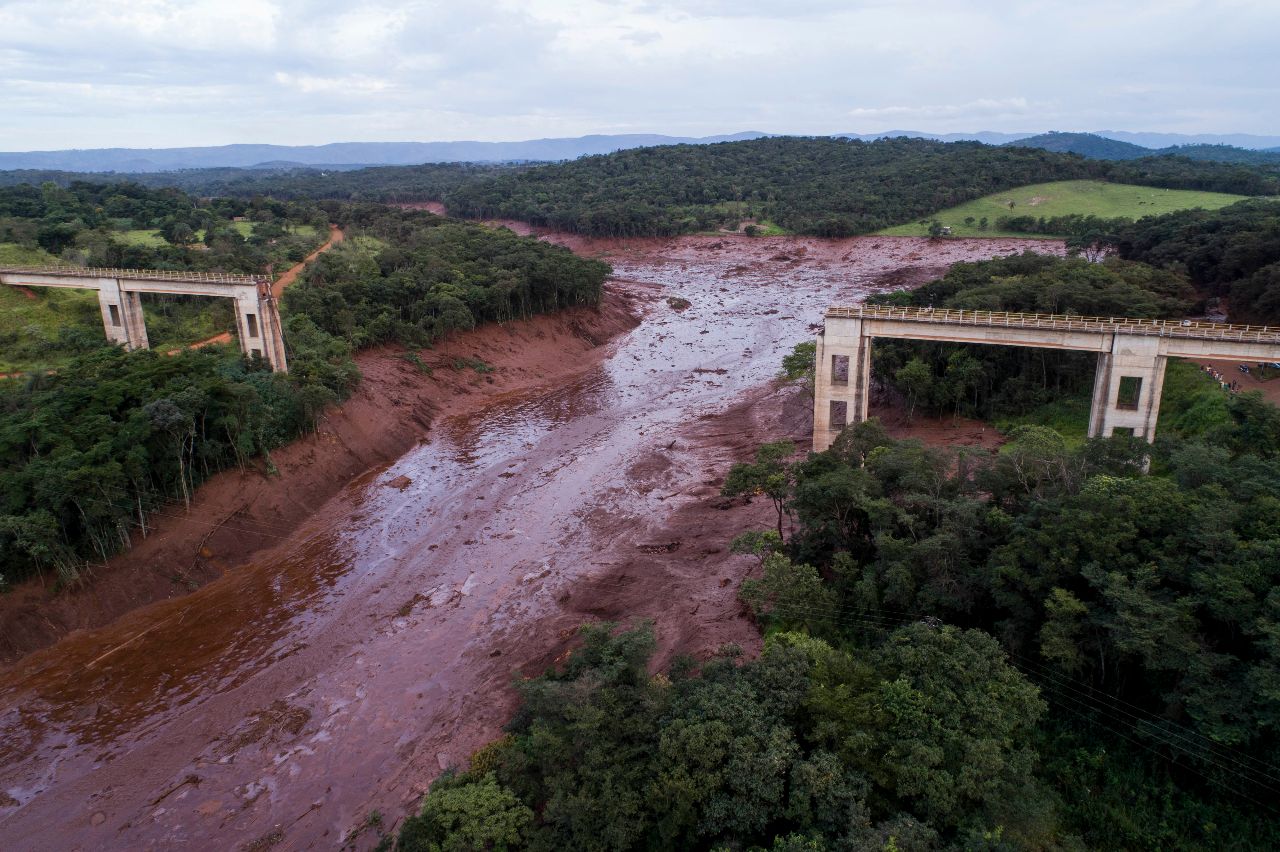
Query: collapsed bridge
<point x="1132" y="354"/>
<point x="257" y="316"/>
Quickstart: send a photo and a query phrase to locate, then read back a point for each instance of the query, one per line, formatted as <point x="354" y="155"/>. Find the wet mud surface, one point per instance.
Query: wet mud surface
<point x="350" y="662"/>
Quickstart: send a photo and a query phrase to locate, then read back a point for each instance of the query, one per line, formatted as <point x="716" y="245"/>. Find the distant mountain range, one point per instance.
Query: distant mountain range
<point x="1097" y="147"/>
<point x="1148" y="141"/>
<point x="1106" y="144"/>
<point x="342" y="154"/>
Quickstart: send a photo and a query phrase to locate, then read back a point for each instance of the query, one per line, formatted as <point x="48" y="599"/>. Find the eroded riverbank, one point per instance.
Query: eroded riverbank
<point x="343" y="668"/>
<point x="237" y="514"/>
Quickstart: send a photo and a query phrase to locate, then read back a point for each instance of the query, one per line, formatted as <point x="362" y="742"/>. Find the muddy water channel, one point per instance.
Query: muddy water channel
<point x="376" y="645"/>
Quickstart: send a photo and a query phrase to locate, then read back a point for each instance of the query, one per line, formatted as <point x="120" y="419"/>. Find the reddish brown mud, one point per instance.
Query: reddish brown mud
<point x="357" y="656"/>
<point x="238" y="513"/>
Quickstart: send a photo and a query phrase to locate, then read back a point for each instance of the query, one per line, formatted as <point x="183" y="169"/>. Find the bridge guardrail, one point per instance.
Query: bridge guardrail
<point x="137" y="274"/>
<point x="1063" y="322"/>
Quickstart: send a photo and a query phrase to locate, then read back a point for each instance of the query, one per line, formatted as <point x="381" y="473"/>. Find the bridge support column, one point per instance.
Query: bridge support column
<point x="122" y="315"/>
<point x="1127" y="387"/>
<point x="842" y="380"/>
<point x="258" y="327"/>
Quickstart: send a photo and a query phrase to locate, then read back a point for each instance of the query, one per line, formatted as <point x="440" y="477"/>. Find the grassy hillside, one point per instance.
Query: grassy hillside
<point x="32" y="322"/>
<point x="1061" y="198"/>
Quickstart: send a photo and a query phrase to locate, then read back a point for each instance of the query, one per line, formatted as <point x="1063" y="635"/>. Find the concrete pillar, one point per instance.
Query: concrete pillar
<point x="1127" y="387"/>
<point x="841" y="338"/>
<point x="135" y="322"/>
<point x="258" y="327"/>
<point x="274" y="334"/>
<point x="122" y="315"/>
<point x="860" y="377"/>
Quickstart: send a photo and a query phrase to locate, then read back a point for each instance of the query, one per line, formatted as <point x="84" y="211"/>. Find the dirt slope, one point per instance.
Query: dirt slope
<point x="239" y="512"/>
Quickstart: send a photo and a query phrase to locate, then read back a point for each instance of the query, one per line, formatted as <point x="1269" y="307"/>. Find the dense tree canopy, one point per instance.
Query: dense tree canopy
<point x="410" y="277"/>
<point x="821" y="186"/>
<point x="88" y="223"/>
<point x="1231" y="252"/>
<point x="919" y="737"/>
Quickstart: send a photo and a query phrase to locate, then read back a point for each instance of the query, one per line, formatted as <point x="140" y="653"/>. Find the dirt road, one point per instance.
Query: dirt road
<point x="347" y="666"/>
<point x="277" y="289"/>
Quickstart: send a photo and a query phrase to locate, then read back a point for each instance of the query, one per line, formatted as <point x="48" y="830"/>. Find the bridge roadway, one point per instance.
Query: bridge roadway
<point x="257" y="316"/>
<point x="1132" y="354"/>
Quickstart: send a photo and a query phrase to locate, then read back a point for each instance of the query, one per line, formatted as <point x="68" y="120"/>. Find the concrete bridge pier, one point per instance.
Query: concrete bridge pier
<point x="842" y="381"/>
<point x="258" y="326"/>
<point x="119" y="297"/>
<point x="122" y="315"/>
<point x="1132" y="355"/>
<point x="1127" y="387"/>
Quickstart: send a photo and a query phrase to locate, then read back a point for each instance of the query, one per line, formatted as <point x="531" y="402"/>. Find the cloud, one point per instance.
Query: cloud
<point x="981" y="108"/>
<point x="179" y="72"/>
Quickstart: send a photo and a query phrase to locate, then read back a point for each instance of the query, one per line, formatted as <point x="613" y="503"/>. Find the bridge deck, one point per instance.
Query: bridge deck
<point x="180" y="276"/>
<point x="1064" y="322"/>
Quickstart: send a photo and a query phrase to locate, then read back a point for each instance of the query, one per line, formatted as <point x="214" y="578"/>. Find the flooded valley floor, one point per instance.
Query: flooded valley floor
<point x="343" y="668"/>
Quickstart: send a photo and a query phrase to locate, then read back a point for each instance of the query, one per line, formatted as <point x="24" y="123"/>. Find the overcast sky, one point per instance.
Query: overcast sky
<point x="158" y="73"/>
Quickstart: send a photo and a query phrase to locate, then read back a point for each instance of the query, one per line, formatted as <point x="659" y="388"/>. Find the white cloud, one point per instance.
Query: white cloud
<point x="177" y="72"/>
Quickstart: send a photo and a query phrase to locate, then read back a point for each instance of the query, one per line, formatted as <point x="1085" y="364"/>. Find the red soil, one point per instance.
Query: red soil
<point x="1230" y="372"/>
<point x="237" y="513"/>
<point x="277" y="289"/>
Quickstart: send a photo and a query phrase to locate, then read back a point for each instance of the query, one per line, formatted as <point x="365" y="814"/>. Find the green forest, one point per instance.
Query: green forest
<point x="821" y="186"/>
<point x="88" y="451"/>
<point x="412" y="277"/>
<point x="1233" y="252"/>
<point x="818" y="186"/>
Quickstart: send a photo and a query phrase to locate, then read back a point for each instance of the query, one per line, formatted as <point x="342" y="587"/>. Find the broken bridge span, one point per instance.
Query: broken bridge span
<point x="257" y="316"/>
<point x="1132" y="354"/>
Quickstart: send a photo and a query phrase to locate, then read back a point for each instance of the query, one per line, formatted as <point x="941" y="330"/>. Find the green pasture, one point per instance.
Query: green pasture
<point x="152" y="238"/>
<point x="1063" y="198"/>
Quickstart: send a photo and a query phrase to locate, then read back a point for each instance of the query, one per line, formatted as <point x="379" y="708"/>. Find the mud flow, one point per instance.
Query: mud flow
<point x="347" y="666"/>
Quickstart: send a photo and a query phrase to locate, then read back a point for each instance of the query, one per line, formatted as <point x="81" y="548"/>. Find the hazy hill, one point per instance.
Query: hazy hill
<point x="1169" y="140"/>
<point x="1104" y="144"/>
<point x="1088" y="145"/>
<point x="354" y="153"/>
<point x="1225" y="154"/>
<point x="986" y="137"/>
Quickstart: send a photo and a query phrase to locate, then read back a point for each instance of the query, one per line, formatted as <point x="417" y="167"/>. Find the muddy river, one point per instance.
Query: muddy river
<point x="376" y="645"/>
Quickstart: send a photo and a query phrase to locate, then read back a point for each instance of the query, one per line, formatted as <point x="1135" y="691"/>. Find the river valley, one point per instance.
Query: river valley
<point x="374" y="645"/>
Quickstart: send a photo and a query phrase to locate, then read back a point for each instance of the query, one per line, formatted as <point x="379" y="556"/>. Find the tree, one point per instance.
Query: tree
<point x="800" y="364"/>
<point x="787" y="593"/>
<point x="916" y="380"/>
<point x="957" y="717"/>
<point x="466" y="814"/>
<point x="769" y="475"/>
<point x="964" y="375"/>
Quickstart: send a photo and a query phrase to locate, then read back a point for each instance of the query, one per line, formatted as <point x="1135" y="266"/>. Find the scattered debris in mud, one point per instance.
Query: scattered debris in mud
<point x="663" y="547"/>
<point x="281" y="722"/>
<point x="382" y="627"/>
